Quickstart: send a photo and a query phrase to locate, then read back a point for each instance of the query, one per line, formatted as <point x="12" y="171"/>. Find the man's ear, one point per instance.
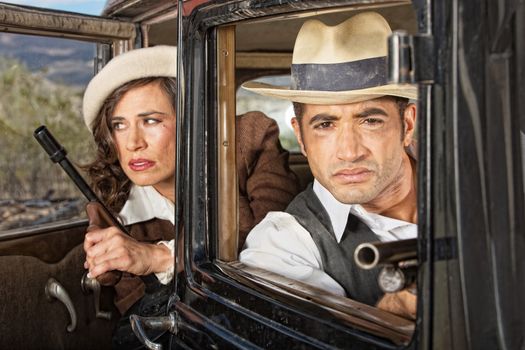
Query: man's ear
<point x="298" y="134"/>
<point x="410" y="123"/>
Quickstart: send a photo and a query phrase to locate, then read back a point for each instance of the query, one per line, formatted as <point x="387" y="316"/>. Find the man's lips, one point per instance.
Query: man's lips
<point x="140" y="164"/>
<point x="353" y="175"/>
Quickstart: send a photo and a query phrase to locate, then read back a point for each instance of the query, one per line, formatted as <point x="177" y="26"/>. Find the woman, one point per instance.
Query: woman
<point x="130" y="108"/>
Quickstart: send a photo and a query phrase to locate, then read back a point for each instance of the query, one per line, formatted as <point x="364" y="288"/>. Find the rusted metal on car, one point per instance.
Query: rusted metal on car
<point x="248" y="10"/>
<point x="137" y="10"/>
<point x="22" y="19"/>
<point x="132" y="8"/>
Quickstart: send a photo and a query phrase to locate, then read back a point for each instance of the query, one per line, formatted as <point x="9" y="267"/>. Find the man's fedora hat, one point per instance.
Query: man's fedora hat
<point x="339" y="64"/>
<point x="156" y="61"/>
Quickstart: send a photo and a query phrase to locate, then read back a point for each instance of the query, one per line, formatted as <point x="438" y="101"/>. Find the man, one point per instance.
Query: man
<point x="355" y="130"/>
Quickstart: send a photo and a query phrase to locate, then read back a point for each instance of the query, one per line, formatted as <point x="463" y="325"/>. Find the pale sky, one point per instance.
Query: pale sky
<point x="90" y="7"/>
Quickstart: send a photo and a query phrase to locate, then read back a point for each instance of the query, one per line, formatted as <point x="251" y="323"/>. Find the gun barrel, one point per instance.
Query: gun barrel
<point x="369" y="255"/>
<point x="58" y="154"/>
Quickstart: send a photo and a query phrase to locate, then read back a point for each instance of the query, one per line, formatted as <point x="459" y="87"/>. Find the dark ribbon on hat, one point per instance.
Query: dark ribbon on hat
<point x="345" y="76"/>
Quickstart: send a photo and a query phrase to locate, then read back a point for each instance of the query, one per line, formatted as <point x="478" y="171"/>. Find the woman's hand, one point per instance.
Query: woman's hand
<point x="110" y="249"/>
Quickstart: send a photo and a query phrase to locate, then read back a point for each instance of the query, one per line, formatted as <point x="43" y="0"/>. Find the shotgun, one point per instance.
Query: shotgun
<point x="397" y="259"/>
<point x="58" y="154"/>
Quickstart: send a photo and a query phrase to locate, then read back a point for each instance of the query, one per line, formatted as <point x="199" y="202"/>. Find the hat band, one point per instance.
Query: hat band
<point x="345" y="76"/>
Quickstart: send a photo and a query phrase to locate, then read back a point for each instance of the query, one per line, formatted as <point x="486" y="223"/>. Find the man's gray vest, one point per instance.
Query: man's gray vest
<point x="338" y="258"/>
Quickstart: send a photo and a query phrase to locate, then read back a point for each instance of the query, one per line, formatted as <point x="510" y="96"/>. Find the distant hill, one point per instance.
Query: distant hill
<point x="63" y="61"/>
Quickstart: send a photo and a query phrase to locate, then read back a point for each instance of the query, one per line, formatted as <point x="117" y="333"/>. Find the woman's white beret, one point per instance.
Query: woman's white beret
<point x="156" y="61"/>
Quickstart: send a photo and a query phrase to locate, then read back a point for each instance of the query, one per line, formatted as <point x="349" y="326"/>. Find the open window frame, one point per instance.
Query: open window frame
<point x="306" y="314"/>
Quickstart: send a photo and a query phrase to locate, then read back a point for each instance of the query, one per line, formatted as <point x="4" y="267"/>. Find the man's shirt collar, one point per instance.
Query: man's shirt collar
<point x="145" y="203"/>
<point x="337" y="211"/>
<point x="387" y="229"/>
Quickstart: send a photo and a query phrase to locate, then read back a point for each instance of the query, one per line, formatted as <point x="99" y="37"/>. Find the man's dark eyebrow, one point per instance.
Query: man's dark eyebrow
<point x="322" y="117"/>
<point x="371" y="111"/>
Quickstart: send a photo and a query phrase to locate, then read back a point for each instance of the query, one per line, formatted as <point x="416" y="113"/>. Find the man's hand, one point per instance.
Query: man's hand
<point x="110" y="249"/>
<point x="402" y="303"/>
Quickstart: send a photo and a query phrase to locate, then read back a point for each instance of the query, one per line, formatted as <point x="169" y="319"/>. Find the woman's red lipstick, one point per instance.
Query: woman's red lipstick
<point x="140" y="164"/>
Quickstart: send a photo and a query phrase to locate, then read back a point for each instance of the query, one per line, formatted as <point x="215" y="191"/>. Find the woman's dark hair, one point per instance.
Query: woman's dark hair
<point x="108" y="179"/>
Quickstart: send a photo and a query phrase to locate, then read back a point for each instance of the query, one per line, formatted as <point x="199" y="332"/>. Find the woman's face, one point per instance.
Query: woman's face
<point x="143" y="129"/>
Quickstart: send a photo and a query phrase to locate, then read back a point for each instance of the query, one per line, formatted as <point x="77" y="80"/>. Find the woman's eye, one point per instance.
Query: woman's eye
<point x="151" y="121"/>
<point x="117" y="126"/>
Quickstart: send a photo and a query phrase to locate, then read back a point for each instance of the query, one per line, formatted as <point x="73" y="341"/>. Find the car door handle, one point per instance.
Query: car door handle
<point x="89" y="285"/>
<point x="54" y="290"/>
<point x="161" y="323"/>
<point x="171" y="323"/>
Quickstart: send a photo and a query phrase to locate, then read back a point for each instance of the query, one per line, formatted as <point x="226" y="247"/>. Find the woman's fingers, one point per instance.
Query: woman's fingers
<point x="106" y="264"/>
<point x="115" y="251"/>
<point x="99" y="242"/>
<point x="110" y="249"/>
<point x="105" y="240"/>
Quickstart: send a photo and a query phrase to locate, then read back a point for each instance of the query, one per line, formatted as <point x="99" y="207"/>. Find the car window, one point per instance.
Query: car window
<point x="279" y="110"/>
<point x="262" y="54"/>
<point x="41" y="82"/>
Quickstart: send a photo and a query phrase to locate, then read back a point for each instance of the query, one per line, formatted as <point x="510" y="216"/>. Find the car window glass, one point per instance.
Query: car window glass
<point x="279" y="110"/>
<point x="41" y="82"/>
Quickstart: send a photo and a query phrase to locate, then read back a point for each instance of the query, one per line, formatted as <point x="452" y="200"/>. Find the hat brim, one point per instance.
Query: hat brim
<point x="332" y="97"/>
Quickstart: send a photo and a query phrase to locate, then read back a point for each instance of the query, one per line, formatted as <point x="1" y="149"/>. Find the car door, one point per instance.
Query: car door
<point x="46" y="59"/>
<point x="222" y="303"/>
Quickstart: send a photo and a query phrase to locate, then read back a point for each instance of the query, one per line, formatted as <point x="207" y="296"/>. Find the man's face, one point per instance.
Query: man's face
<point x="355" y="150"/>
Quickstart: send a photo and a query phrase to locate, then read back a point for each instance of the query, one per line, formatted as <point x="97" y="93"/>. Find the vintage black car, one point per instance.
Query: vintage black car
<point x="468" y="58"/>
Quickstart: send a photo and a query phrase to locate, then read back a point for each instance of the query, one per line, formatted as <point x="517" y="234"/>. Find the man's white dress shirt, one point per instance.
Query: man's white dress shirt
<point x="280" y="244"/>
<point x="145" y="203"/>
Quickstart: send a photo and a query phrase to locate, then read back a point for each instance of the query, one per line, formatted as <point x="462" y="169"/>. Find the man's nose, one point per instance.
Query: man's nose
<point x="135" y="140"/>
<point x="349" y="144"/>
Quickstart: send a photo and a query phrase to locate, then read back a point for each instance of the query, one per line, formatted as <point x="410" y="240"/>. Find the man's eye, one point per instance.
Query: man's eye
<point x="324" y="125"/>
<point x="373" y="121"/>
